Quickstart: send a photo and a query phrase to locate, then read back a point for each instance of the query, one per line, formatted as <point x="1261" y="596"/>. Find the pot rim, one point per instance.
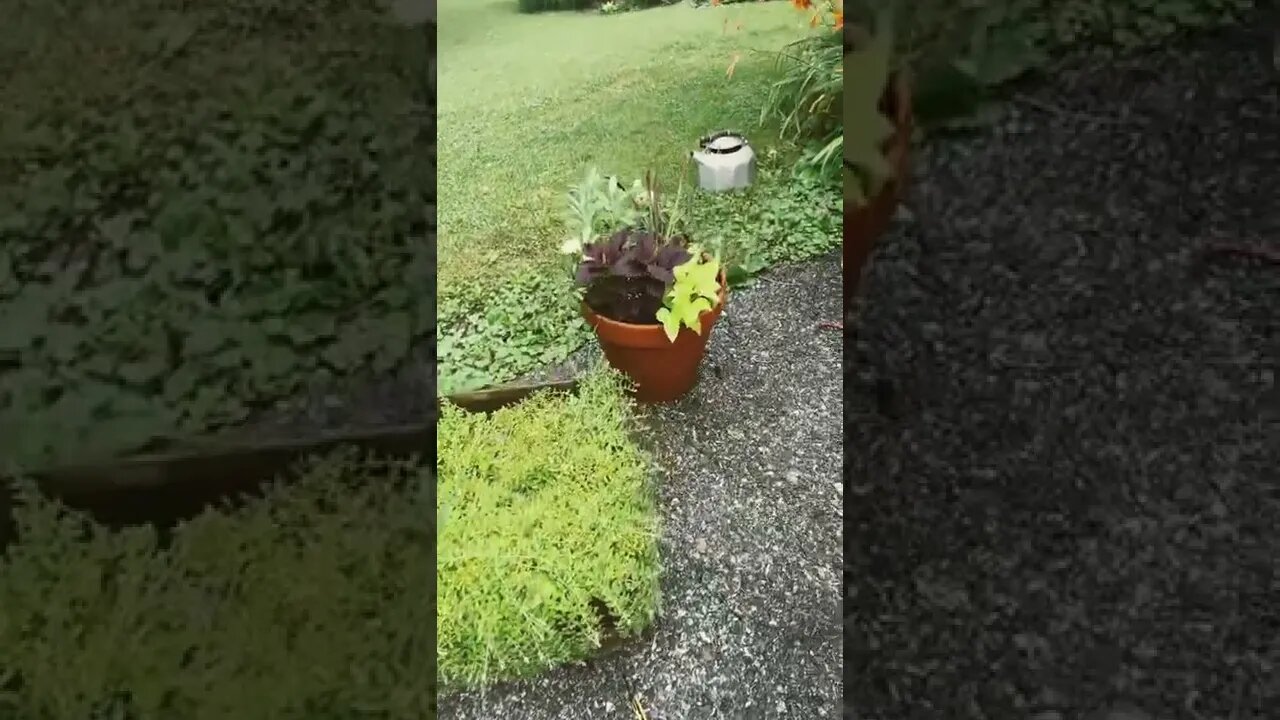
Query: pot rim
<point x="595" y="318"/>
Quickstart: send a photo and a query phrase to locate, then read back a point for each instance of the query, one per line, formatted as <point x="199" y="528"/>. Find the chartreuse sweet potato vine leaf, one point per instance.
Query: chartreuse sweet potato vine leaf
<point x="695" y="291"/>
<point x="866" y="128"/>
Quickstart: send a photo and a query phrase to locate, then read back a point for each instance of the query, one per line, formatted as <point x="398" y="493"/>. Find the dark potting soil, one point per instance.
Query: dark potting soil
<point x="625" y="300"/>
<point x="1075" y="513"/>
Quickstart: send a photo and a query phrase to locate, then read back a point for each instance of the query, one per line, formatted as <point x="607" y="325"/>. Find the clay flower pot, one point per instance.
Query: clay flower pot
<point x="865" y="224"/>
<point x="662" y="370"/>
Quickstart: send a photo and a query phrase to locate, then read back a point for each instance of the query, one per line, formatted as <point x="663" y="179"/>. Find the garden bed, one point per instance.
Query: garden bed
<point x="314" y="602"/>
<point x="749" y="505"/>
<point x="172" y="262"/>
<point x="526" y="577"/>
<point x="176" y="480"/>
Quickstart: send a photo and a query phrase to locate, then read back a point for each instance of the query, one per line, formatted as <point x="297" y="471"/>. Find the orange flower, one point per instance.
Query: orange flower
<point x="839" y="18"/>
<point x="802" y="4"/>
<point x="716" y="2"/>
<point x="813" y="21"/>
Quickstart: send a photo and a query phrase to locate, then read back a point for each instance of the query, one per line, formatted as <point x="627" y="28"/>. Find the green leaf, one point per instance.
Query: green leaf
<point x="695" y="291"/>
<point x="691" y="311"/>
<point x="1006" y="56"/>
<point x="670" y="323"/>
<point x="866" y="129"/>
<point x="141" y="372"/>
<point x="700" y="278"/>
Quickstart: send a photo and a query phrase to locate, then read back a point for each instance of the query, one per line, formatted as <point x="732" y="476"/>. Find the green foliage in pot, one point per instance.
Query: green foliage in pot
<point x="600" y="205"/>
<point x="694" y="290"/>
<point x="956" y="54"/>
<point x="646" y="272"/>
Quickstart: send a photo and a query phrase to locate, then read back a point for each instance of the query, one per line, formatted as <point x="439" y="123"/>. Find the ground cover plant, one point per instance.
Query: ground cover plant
<point x="963" y="55"/>
<point x="229" y="206"/>
<point x="546" y="530"/>
<point x="527" y="102"/>
<point x="313" y="603"/>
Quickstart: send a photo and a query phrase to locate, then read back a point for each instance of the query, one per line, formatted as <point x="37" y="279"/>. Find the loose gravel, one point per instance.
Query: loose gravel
<point x="750" y="501"/>
<point x="1070" y="508"/>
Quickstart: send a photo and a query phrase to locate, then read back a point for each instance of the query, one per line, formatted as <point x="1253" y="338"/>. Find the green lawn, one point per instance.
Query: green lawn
<point x="526" y="103"/>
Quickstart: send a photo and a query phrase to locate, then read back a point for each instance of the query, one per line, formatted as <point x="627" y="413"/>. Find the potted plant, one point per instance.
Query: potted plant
<point x="878" y="122"/>
<point x="650" y="294"/>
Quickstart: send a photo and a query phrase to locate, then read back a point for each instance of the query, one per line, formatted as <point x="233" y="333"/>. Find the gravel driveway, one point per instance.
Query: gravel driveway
<point x="1071" y="509"/>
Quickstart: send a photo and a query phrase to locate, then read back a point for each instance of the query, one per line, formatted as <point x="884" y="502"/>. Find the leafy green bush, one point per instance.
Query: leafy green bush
<point x="825" y="90"/>
<point x="1124" y="23"/>
<point x="770" y="223"/>
<point x="805" y="100"/>
<point x="963" y="54"/>
<point x="233" y="202"/>
<point x="544" y="513"/>
<point x="314" y="603"/>
<point x="492" y="336"/>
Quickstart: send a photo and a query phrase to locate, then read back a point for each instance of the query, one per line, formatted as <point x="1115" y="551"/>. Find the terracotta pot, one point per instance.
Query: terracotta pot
<point x="865" y="224"/>
<point x="662" y="370"/>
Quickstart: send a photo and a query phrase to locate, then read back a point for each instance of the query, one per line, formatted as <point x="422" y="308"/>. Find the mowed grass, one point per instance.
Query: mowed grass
<point x="527" y="102"/>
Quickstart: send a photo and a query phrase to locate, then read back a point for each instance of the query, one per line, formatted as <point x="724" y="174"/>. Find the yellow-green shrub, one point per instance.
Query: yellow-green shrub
<point x="544" y="510"/>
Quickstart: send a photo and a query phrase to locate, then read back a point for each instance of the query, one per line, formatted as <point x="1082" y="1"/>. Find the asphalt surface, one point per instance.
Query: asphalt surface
<point x="750" y="501"/>
<point x="1069" y="506"/>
